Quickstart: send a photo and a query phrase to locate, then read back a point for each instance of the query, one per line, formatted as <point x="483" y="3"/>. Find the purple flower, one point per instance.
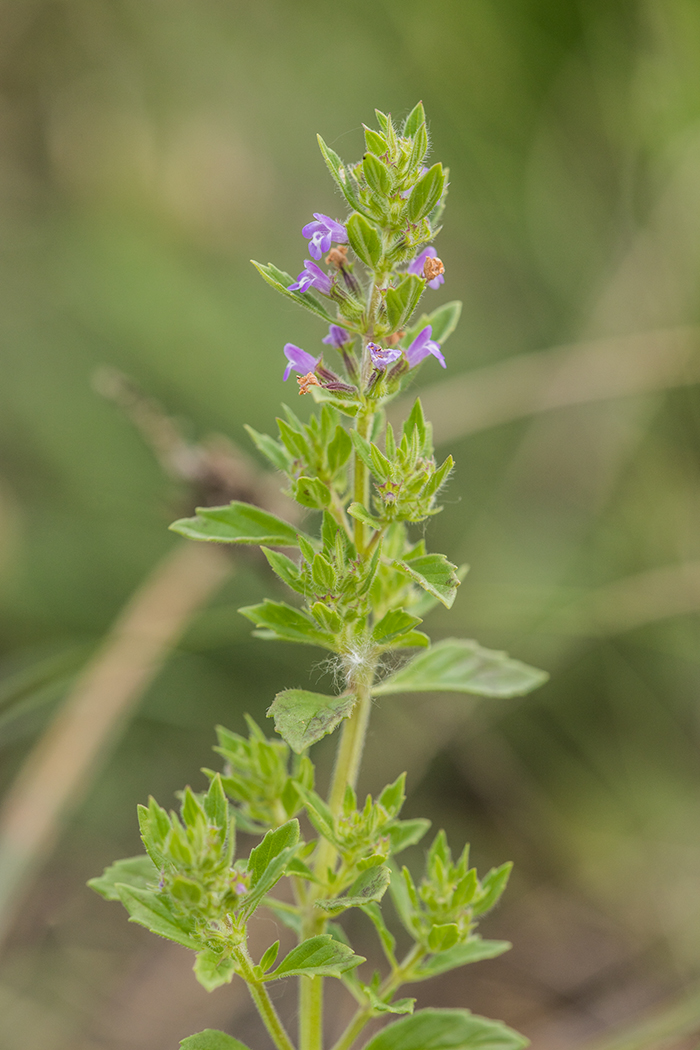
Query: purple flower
<point x="423" y="345"/>
<point x="418" y="263"/>
<point x="298" y="360"/>
<point x="381" y="357"/>
<point x="337" y="337"/>
<point x="312" y="276"/>
<point x="322" y="233"/>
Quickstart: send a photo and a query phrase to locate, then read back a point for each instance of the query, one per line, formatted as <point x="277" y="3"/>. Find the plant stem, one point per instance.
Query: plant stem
<point x="310" y="1013"/>
<point x="361" y="478"/>
<point x="262" y="1000"/>
<point x="392" y="983"/>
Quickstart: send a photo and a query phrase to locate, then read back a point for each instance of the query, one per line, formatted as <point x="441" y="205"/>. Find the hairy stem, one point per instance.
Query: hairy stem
<point x="361" y="478"/>
<point x="310" y="1013"/>
<point x="392" y="983"/>
<point x="260" y="997"/>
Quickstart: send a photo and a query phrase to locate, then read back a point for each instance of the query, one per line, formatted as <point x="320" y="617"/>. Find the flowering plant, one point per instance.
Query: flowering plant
<point x="364" y="584"/>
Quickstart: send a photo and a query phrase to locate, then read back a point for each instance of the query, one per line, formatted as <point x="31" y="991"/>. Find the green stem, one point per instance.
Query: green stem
<point x="361" y="478"/>
<point x="310" y="1013"/>
<point x="392" y="983"/>
<point x="262" y="1000"/>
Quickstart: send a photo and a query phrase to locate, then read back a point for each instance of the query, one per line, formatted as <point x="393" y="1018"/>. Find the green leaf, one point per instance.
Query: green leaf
<point x="402" y="300"/>
<point x="401" y="1006"/>
<point x="364" y="240"/>
<point x="320" y="956"/>
<point x="238" y="523"/>
<point x="374" y="141"/>
<point x="426" y="193"/>
<point x="360" y="513"/>
<point x="414" y="120"/>
<point x="387" y="939"/>
<point x="271" y="449"/>
<point x="285" y="568"/>
<point x="279" y="280"/>
<point x="213" y="969"/>
<point x="311" y="492"/>
<point x="463" y="666"/>
<point x="492" y="886"/>
<point x="419" y="148"/>
<point x="275" y="843"/>
<point x="370" y="885"/>
<point x="377" y="175"/>
<point x="268" y="861"/>
<point x="394" y="623"/>
<point x="339" y="449"/>
<point x="446" y="1030"/>
<point x="443" y="936"/>
<point x="339" y="172"/>
<point x="137" y="872"/>
<point x="302" y="718"/>
<point x="474" y="950"/>
<point x="283" y="622"/>
<point x="210" y="1039"/>
<point x="404" y="897"/>
<point x="216" y="804"/>
<point x="435" y="574"/>
<point x="269" y="957"/>
<point x="318" y="812"/>
<point x="150" y="910"/>
<point x="407" y="832"/>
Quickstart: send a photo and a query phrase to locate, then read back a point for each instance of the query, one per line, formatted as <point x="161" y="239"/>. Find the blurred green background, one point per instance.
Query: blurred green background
<point x="148" y="149"/>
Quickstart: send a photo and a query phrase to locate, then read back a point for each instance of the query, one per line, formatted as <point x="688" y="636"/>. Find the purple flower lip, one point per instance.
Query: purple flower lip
<point x="322" y="233"/>
<point x="312" y="276"/>
<point x="298" y="360"/>
<point x="337" y="337"/>
<point x="418" y="263"/>
<point x="422" y="346"/>
<point x="381" y="357"/>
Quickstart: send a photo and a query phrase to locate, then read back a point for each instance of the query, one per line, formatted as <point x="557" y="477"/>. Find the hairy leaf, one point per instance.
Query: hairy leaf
<point x="238" y="523"/>
<point x="210" y="1039"/>
<point x="446" y="1030"/>
<point x="474" y="950"/>
<point x="137" y="872"/>
<point x="287" y="624"/>
<point x="320" y="956"/>
<point x="435" y="574"/>
<point x="149" y="910"/>
<point x="212" y="969"/>
<point x="302" y="718"/>
<point x="463" y="666"/>
<point x="371" y="885"/>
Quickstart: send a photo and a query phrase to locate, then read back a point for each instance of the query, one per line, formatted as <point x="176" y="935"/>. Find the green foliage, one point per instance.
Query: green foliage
<point x="362" y="584"/>
<point x="303" y="718"/>
<point x="210" y="1039"/>
<point x="446" y="1030"/>
<point x="461" y="666"/>
<point x="238" y="523"/>
<point x="258" y="778"/>
<point x="320" y="956"/>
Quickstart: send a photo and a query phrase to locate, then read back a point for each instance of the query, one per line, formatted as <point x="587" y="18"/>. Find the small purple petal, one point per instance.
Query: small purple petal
<point x="422" y="346"/>
<point x="298" y="360"/>
<point x="312" y="276"/>
<point x="337" y="337"/>
<point x="322" y="233"/>
<point x="381" y="357"/>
